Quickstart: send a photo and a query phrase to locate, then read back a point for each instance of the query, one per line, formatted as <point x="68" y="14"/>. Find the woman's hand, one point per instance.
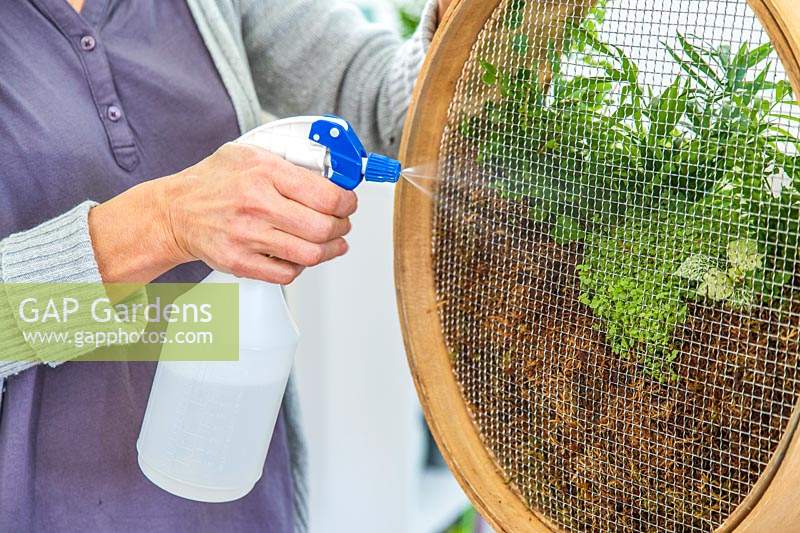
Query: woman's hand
<point x="242" y="210"/>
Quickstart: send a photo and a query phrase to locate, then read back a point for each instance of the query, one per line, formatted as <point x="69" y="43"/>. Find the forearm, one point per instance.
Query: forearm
<point x="315" y="56"/>
<point x="77" y="255"/>
<point x="51" y="261"/>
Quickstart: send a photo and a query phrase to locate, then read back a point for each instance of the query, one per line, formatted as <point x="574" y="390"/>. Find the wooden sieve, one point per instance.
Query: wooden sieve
<point x="600" y="304"/>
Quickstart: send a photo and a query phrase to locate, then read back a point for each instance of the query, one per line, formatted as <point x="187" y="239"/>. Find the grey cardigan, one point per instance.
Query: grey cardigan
<point x="283" y="57"/>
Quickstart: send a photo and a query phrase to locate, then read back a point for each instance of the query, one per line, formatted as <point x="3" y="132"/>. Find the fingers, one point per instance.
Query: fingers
<point x="303" y="222"/>
<point x="296" y="250"/>
<point x="282" y="258"/>
<point x="313" y="191"/>
<point x="304" y="253"/>
<point x="269" y="269"/>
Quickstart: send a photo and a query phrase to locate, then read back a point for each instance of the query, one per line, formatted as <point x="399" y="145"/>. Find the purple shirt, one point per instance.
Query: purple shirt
<point x="91" y="105"/>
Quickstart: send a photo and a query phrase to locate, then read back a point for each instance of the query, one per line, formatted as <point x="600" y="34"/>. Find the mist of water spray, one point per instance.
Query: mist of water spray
<point x="425" y="178"/>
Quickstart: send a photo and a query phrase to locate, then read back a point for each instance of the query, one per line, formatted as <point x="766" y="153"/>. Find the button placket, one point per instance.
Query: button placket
<point x="108" y="105"/>
<point x="110" y="110"/>
<point x="97" y="70"/>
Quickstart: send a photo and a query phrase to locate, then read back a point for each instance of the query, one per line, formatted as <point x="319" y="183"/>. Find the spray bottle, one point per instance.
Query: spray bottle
<point x="208" y="425"/>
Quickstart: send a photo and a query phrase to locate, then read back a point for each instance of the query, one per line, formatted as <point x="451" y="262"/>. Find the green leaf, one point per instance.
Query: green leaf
<point x="629" y="69"/>
<point x="687" y="67"/>
<point x="783" y="116"/>
<point x="515" y="14"/>
<point x="666" y="110"/>
<point x="759" y="54"/>
<point x="768" y="283"/>
<point x="409" y="21"/>
<point x="506" y="85"/>
<point x="538" y="214"/>
<point x="696" y="267"/>
<point x="590" y="39"/>
<point x="566" y="230"/>
<point x="742" y="298"/>
<point x="717" y="286"/>
<point x="576" y="87"/>
<point x="783" y="90"/>
<point x="489" y="72"/>
<point x="520" y="44"/>
<point x="759" y="84"/>
<point x="738" y="69"/>
<point x="695" y="54"/>
<point x="744" y="256"/>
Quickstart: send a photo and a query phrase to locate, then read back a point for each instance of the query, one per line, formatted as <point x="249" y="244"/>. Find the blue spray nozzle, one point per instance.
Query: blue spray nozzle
<point x="350" y="162"/>
<point x="382" y="169"/>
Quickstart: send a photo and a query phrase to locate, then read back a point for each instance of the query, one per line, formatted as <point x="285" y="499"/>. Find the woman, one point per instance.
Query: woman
<point x="126" y="103"/>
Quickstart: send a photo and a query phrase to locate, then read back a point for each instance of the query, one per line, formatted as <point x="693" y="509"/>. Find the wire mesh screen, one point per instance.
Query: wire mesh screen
<point x="615" y="256"/>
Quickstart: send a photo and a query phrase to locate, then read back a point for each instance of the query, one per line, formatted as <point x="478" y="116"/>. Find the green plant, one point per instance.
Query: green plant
<point x="408" y="16"/>
<point x="547" y="139"/>
<point x="628" y="283"/>
<point x="681" y="195"/>
<point x="725" y="283"/>
<point x="723" y="199"/>
<point x="466" y="523"/>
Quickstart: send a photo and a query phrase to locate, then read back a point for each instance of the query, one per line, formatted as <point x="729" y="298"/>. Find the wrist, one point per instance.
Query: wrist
<point x="131" y="235"/>
<point x="165" y="192"/>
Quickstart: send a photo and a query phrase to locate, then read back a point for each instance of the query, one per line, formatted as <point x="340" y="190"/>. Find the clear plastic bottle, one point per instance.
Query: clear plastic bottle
<point x="208" y="425"/>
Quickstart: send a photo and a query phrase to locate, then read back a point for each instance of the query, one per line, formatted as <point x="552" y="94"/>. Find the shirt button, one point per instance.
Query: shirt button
<point x="114" y="113"/>
<point x="88" y="43"/>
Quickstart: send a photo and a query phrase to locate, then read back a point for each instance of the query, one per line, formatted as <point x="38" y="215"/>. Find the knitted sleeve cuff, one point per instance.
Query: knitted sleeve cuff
<point x="54" y="260"/>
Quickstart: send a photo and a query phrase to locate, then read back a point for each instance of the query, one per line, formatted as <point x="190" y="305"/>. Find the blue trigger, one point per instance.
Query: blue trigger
<point x="346" y="151"/>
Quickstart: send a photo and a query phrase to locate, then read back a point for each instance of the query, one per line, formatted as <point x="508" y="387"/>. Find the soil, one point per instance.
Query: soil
<point x="587" y="438"/>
